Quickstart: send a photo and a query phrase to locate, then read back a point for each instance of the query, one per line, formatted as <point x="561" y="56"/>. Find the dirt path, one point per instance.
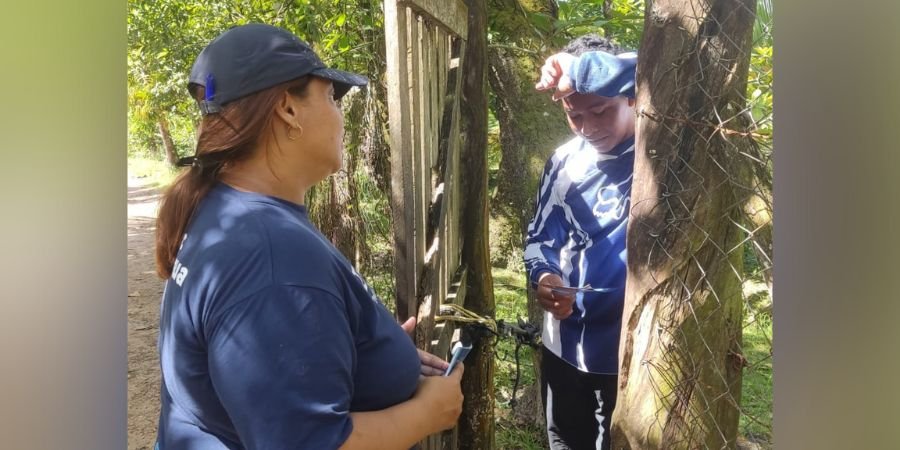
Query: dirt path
<point x="144" y="293"/>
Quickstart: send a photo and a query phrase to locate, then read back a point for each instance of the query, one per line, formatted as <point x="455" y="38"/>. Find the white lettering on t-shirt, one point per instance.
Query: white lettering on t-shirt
<point x="179" y="272"/>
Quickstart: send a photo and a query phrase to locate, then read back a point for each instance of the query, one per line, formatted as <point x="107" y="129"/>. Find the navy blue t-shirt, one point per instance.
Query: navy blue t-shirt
<point x="268" y="337"/>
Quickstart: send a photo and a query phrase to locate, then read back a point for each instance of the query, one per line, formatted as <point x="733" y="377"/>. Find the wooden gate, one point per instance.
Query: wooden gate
<point x="425" y="42"/>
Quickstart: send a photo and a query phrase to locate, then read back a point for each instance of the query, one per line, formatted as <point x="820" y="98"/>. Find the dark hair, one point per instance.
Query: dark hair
<point x="225" y="137"/>
<point x="591" y="43"/>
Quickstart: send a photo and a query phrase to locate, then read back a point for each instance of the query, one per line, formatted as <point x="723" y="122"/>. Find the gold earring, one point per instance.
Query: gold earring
<point x="291" y="129"/>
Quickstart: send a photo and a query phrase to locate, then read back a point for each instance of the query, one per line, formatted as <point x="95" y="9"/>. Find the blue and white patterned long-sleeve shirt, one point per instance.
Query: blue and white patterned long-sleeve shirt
<point x="578" y="230"/>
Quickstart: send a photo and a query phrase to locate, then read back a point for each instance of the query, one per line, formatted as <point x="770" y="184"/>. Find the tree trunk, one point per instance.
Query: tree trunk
<point x="337" y="222"/>
<point x="476" y="424"/>
<point x="334" y="205"/>
<point x="680" y="377"/>
<point x="168" y="144"/>
<point x="531" y="127"/>
<point x="375" y="150"/>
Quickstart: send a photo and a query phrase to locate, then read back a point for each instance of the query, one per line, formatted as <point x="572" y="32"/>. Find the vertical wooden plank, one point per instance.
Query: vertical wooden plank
<point x="412" y="183"/>
<point x="433" y="183"/>
<point x="419" y="49"/>
<point x="455" y="146"/>
<point x="441" y="46"/>
<point x="441" y="96"/>
<point x="416" y="238"/>
<point x="436" y="96"/>
<point x="451" y="153"/>
<point x="427" y="178"/>
<point x="448" y="175"/>
<point x="421" y="205"/>
<point x="428" y="82"/>
<point x="445" y="64"/>
<point x="397" y="76"/>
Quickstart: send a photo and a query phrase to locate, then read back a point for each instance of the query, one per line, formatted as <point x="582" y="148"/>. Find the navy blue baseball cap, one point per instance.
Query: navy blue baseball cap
<point x="250" y="58"/>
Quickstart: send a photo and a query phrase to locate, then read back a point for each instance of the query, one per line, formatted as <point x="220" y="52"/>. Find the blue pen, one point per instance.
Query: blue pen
<point x="460" y="352"/>
<point x="210" y="90"/>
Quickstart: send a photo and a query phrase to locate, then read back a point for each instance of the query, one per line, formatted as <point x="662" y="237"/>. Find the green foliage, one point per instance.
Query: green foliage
<point x="759" y="90"/>
<point x="762" y="28"/>
<point x="164" y="37"/>
<point x="494" y="152"/>
<point x="759" y="82"/>
<point x="623" y="23"/>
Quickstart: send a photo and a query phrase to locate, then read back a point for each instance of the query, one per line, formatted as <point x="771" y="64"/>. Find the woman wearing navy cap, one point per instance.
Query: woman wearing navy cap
<point x="269" y="339"/>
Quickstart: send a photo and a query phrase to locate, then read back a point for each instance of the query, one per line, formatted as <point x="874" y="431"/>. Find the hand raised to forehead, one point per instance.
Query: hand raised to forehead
<point x="553" y="75"/>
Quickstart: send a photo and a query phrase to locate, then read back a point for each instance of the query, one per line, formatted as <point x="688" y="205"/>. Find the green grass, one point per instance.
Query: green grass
<point x="756" y="389"/>
<point x="509" y="299"/>
<point x="756" y="392"/>
<point x="152" y="171"/>
<point x="508" y="436"/>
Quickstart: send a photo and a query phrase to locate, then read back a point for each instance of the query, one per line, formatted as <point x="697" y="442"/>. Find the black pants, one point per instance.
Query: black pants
<point x="578" y="405"/>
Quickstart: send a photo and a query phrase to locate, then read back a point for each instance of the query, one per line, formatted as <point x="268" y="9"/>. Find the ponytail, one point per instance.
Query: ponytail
<point x="176" y="208"/>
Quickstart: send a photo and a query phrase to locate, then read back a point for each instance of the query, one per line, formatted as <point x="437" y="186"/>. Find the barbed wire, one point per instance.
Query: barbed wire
<point x="478" y="327"/>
